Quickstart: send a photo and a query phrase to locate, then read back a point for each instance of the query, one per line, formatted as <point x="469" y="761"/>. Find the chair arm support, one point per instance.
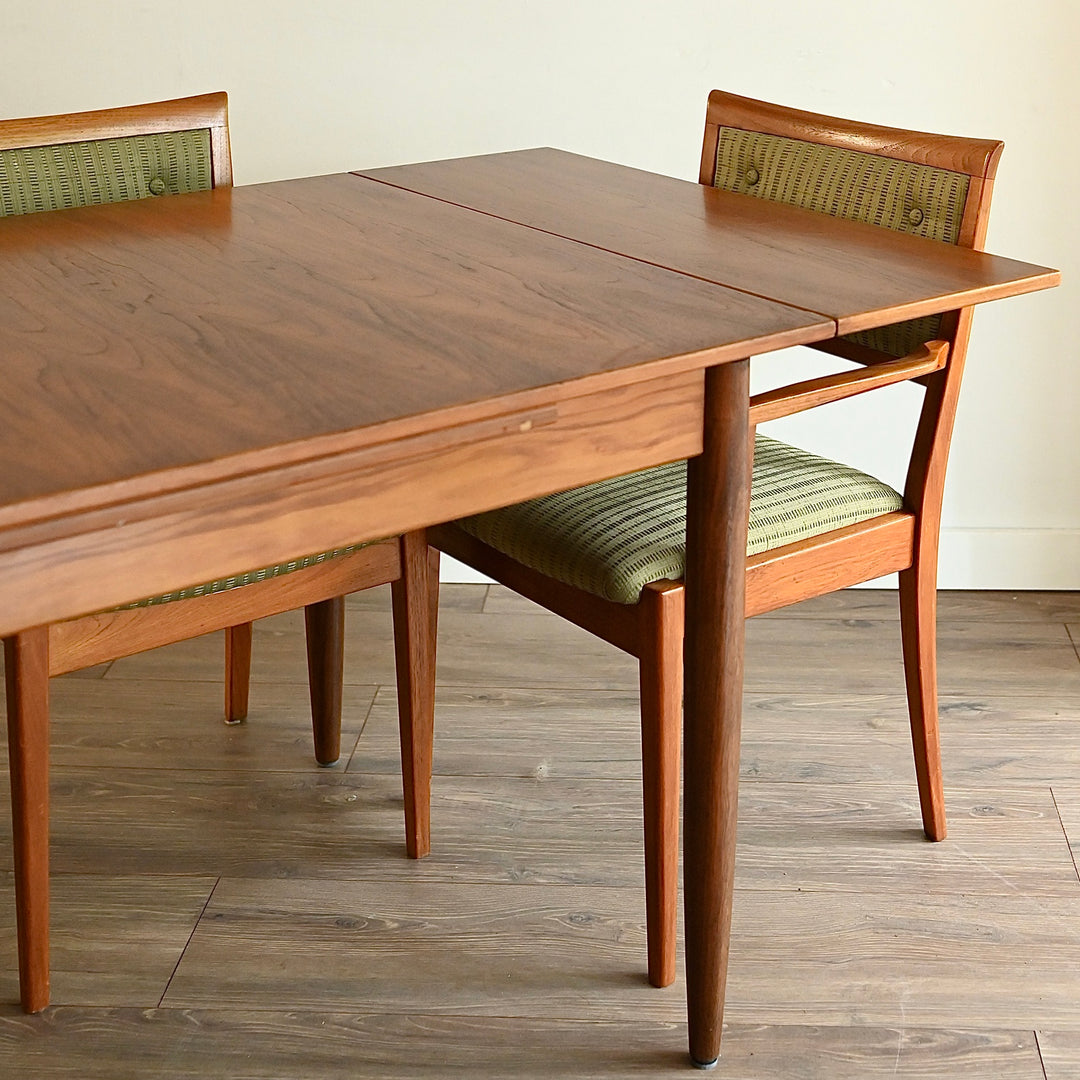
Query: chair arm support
<point x="810" y="393"/>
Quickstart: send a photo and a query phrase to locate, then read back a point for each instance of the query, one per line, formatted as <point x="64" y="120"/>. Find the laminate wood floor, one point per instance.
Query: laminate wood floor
<point x="223" y="908"/>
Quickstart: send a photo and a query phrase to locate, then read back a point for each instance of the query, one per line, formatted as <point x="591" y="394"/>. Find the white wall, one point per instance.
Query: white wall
<point x="330" y="85"/>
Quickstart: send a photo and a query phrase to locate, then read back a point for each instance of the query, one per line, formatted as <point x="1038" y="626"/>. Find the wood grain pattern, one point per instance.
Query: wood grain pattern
<point x="31" y="659"/>
<point x="552" y="734"/>
<point x="346" y="826"/>
<point x="812" y="393"/>
<point x="827" y="562"/>
<point x="318" y="1045"/>
<point x="117" y="938"/>
<point x="982" y="657"/>
<point x="108" y="635"/>
<point x="415" y="604"/>
<point x="237" y="671"/>
<point x="660" y="674"/>
<point x="230" y="300"/>
<point x="494" y="831"/>
<point x="832" y="873"/>
<point x="857" y="274"/>
<point x="453" y="596"/>
<point x="717" y="511"/>
<point x="26" y="667"/>
<point x="324" y="622"/>
<point x="1067" y="803"/>
<point x="366" y="494"/>
<point x="1022" y="949"/>
<point x="1059" y="1052"/>
<point x="877" y="604"/>
<point x="550" y="951"/>
<point x="179" y="721"/>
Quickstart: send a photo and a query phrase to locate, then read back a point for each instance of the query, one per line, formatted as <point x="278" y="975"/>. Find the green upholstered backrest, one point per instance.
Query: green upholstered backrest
<point x="900" y="195"/>
<point x="67" y="175"/>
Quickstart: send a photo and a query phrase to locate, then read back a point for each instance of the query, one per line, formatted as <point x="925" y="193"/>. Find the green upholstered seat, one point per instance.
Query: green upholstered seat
<point x="236" y="581"/>
<point x="34" y="179"/>
<point x="614" y="537"/>
<point x="899" y="195"/>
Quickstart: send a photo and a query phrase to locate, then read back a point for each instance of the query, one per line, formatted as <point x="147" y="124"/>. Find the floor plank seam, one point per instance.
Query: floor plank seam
<point x="457" y="881"/>
<point x="1038" y="1050"/>
<point x="1064" y="831"/>
<point x="379" y="689"/>
<point x="1075" y="639"/>
<point x="187" y="944"/>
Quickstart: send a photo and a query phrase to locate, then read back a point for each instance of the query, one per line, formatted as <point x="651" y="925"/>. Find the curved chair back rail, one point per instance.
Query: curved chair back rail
<point x="203" y="112"/>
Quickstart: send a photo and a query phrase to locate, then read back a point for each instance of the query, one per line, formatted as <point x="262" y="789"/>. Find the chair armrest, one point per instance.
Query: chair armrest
<point x="800" y="396"/>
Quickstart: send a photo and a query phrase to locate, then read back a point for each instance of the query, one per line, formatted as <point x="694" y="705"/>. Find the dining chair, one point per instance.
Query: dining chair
<point x="145" y="151"/>
<point x="610" y="556"/>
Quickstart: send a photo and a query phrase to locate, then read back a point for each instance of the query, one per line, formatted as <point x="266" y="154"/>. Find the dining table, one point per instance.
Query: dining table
<point x="204" y="383"/>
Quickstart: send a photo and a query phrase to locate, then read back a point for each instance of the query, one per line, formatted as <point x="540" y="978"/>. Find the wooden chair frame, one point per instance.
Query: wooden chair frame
<point x="905" y="541"/>
<point x="32" y="656"/>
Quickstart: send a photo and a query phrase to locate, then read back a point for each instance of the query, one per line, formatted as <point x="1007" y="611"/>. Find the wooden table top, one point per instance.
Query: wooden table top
<point x="160" y="343"/>
<point x="859" y="275"/>
<point x="165" y="346"/>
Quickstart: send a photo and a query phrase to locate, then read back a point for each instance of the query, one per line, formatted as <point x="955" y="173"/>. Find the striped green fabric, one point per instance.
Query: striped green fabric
<point x="237" y="581"/>
<point x="61" y="177"/>
<point x="614" y="537"/>
<point x="899" y="195"/>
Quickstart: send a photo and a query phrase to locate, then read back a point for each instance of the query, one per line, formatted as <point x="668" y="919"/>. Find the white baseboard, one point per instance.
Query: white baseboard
<point x="1009" y="559"/>
<point x="450" y="570"/>
<point x="969" y="559"/>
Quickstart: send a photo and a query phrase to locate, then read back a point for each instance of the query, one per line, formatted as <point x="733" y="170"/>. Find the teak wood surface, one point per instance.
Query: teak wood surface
<point x="274" y="345"/>
<point x="859" y="275"/>
<point x="230" y="377"/>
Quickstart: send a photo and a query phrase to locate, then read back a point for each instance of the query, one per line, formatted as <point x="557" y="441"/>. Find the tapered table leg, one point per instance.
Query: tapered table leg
<point x="237" y="671"/>
<point x="415" y="600"/>
<point x="324" y="625"/>
<point x="26" y="663"/>
<point x="718" y="495"/>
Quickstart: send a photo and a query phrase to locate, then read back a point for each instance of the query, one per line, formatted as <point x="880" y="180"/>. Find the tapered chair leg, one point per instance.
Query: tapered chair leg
<point x="26" y="667"/>
<point x="325" y="626"/>
<point x="660" y="673"/>
<point x="237" y="672"/>
<point x="415" y="601"/>
<point x="918" y="627"/>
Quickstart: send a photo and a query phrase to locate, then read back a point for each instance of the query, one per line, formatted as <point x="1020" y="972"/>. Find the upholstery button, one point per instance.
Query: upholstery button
<point x="752" y="176"/>
<point x="156" y="186"/>
<point x="915" y="216"/>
